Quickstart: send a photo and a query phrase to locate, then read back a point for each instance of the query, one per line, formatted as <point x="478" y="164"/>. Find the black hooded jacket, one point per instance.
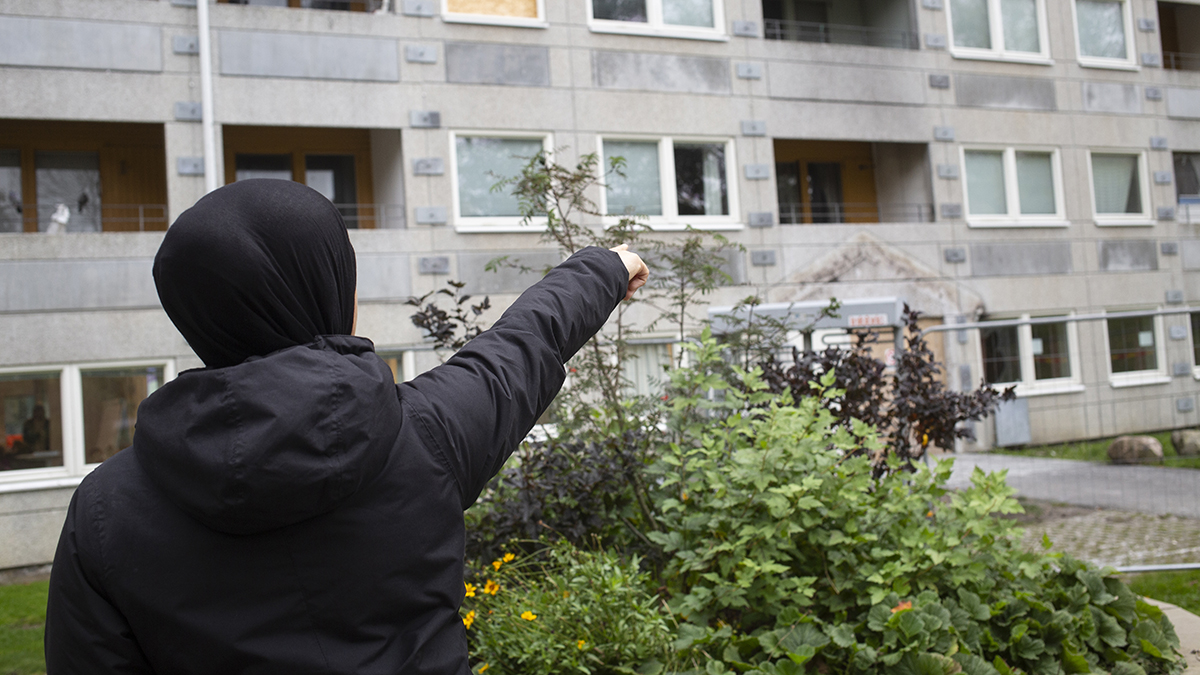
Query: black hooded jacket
<point x="300" y="512"/>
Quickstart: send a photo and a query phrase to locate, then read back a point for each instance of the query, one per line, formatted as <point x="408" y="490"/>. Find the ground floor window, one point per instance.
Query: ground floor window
<point x="1038" y="357"/>
<point x="32" y="420"/>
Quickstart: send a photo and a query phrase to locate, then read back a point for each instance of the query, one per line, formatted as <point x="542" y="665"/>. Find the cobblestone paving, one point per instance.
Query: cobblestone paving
<point x="1118" y="538"/>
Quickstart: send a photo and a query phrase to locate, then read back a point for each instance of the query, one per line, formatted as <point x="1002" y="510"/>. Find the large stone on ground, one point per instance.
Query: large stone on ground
<point x="1186" y="442"/>
<point x="1135" y="450"/>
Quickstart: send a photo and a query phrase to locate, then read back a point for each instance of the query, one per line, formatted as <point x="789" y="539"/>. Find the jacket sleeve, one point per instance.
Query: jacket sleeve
<point x="85" y="633"/>
<point x="485" y="399"/>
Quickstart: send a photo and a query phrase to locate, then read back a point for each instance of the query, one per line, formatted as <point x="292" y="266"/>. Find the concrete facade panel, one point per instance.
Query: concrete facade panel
<point x="326" y="57"/>
<point x="30" y="523"/>
<point x="1183" y="103"/>
<point x="990" y="91"/>
<point x="1127" y="255"/>
<point x="1107" y="97"/>
<point x="472" y="272"/>
<point x="90" y="45"/>
<point x="481" y="63"/>
<point x="1189" y="254"/>
<point x="86" y="337"/>
<point x="660" y="72"/>
<point x="42" y="285"/>
<point x="840" y="83"/>
<point x="383" y="276"/>
<point x="1018" y="259"/>
<point x="83" y="95"/>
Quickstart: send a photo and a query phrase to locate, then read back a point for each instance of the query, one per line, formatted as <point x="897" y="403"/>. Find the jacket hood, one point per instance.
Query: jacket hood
<point x="274" y="440"/>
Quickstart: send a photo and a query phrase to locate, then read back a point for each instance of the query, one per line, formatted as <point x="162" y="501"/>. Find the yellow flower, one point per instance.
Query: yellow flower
<point x="497" y="564"/>
<point x="566" y="594"/>
<point x="528" y="615"/>
<point x="491" y="587"/>
<point x="508" y="557"/>
<point x="485" y="667"/>
<point x="470" y="590"/>
<point x="469" y="619"/>
<point x="580" y="645"/>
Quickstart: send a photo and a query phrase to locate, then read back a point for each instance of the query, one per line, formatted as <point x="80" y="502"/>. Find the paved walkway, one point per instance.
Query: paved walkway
<point x="1187" y="627"/>
<point x="1141" y="489"/>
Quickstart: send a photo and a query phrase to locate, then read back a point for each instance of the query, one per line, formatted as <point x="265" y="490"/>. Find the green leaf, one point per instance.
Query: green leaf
<point x="842" y="635"/>
<point x="926" y="663"/>
<point x="973" y="605"/>
<point x="1150" y="649"/>
<point x="910" y="623"/>
<point x="802" y="655"/>
<point x="803" y="635"/>
<point x="878" y="617"/>
<point x="1127" y="668"/>
<point x="973" y="665"/>
<point x="1108" y="629"/>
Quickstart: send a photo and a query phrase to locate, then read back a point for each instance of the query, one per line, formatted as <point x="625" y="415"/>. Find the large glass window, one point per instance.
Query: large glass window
<point x="32" y="421"/>
<point x="1001" y="355"/>
<point x="484" y="161"/>
<point x="515" y="12"/>
<point x="688" y="16"/>
<point x="68" y="191"/>
<point x="698" y="170"/>
<point x="11" y="204"/>
<point x="277" y="167"/>
<point x="1012" y="187"/>
<point x="1102" y="30"/>
<point x="1187" y="177"/>
<point x="1050" y="350"/>
<point x="333" y="176"/>
<point x="1132" y="344"/>
<point x="637" y="192"/>
<point x="110" y="402"/>
<point x="1016" y="34"/>
<point x="1119" y="186"/>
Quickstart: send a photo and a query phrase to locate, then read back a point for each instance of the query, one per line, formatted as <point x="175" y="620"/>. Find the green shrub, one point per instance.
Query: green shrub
<point x="565" y="610"/>
<point x="787" y="553"/>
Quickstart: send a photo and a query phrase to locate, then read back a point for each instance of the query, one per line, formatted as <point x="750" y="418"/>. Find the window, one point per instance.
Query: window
<point x="480" y="162"/>
<point x="1196" y="341"/>
<point x="1037" y="357"/>
<point x="68" y="191"/>
<point x="672" y="182"/>
<point x="11" y="203"/>
<point x="1135" y="351"/>
<point x="500" y="12"/>
<point x="342" y="5"/>
<point x="701" y="19"/>
<point x="1013" y="187"/>
<point x="998" y="29"/>
<point x="1103" y="33"/>
<point x="1120" y="191"/>
<point x="645" y="367"/>
<point x="60" y="420"/>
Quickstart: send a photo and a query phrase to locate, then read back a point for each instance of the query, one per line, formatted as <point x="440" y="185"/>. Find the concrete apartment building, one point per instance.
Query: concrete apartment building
<point x="978" y="159"/>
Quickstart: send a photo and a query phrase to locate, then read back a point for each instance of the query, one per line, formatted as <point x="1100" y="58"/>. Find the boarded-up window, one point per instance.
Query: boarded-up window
<point x="521" y="9"/>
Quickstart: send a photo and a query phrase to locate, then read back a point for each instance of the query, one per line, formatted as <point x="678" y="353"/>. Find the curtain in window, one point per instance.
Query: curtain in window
<point x="11" y="207"/>
<point x="1051" y="355"/>
<point x="1020" y="25"/>
<point x="525" y="9"/>
<point x="700" y="184"/>
<point x="1101" y="28"/>
<point x="68" y="191"/>
<point x="688" y="13"/>
<point x="1187" y="175"/>
<point x="483" y="162"/>
<point x="638" y="193"/>
<point x="985" y="183"/>
<point x="1001" y="355"/>
<point x="971" y="27"/>
<point x="619" y="10"/>
<point x="1117" y="184"/>
<point x="1035" y="183"/>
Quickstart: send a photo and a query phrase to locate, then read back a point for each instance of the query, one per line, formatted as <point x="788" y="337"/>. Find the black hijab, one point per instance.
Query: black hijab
<point x="254" y="267"/>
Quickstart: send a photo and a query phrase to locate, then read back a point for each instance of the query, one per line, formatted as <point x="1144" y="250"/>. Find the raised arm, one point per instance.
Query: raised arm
<point x="488" y="396"/>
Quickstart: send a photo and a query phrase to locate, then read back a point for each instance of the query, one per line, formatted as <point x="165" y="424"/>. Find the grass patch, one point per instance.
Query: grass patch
<point x="22" y="625"/>
<point x="1181" y="589"/>
<point x="1097" y="451"/>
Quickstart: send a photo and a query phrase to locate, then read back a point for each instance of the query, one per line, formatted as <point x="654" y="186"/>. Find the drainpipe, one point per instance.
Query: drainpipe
<point x="207" y="122"/>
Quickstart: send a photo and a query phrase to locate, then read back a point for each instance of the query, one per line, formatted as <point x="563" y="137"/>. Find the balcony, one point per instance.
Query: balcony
<point x="852" y="182"/>
<point x="869" y="23"/>
<point x="1179" y="26"/>
<point x="338" y="5"/>
<point x="811" y="31"/>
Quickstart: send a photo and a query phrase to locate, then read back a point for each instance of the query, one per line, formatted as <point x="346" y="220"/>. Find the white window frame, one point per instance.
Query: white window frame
<point x="481" y="224"/>
<point x="1127" y="63"/>
<point x="75" y="466"/>
<point x="670" y="220"/>
<point x="1012" y="195"/>
<point x="996" y="30"/>
<point x="1139" y="378"/>
<point x="1029" y="385"/>
<point x="496" y="20"/>
<point x="1143" y="219"/>
<point x="654" y="26"/>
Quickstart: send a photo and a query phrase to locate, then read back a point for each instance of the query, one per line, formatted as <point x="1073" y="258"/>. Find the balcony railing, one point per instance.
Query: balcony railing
<point x="808" y="31"/>
<point x="1187" y="213"/>
<point x="112" y="218"/>
<point x="343" y="5"/>
<point x="849" y="212"/>
<point x="1181" y="61"/>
